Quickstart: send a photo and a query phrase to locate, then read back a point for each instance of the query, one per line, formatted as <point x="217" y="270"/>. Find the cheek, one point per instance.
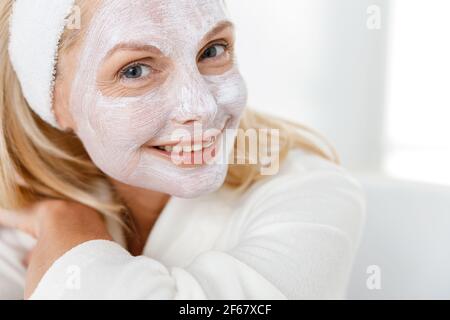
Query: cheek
<point x="127" y="120"/>
<point x="124" y="119"/>
<point x="229" y="91"/>
<point x="113" y="130"/>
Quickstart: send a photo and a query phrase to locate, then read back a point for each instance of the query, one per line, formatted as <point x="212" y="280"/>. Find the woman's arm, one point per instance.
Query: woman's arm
<point x="58" y="227"/>
<point x="296" y="238"/>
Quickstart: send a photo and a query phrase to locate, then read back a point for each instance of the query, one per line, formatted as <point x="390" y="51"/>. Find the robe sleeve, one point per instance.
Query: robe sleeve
<point x="293" y="237"/>
<point x="14" y="247"/>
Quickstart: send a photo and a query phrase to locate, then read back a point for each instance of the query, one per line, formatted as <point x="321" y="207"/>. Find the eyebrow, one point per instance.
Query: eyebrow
<point x="133" y="46"/>
<point x="217" y="29"/>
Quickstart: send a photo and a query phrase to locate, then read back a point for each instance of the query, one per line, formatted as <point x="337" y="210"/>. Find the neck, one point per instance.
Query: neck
<point x="144" y="206"/>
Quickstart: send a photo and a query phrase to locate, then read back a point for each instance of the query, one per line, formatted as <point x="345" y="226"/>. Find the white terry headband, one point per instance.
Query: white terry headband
<point x="36" y="27"/>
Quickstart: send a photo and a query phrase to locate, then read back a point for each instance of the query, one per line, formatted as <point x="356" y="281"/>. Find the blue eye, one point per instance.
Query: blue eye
<point x="136" y="71"/>
<point x="213" y="51"/>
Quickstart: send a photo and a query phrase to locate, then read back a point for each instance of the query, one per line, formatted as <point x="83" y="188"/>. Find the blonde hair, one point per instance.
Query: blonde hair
<point x="38" y="161"/>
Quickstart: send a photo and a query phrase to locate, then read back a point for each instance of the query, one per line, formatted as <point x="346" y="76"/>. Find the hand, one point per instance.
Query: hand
<point x="58" y="226"/>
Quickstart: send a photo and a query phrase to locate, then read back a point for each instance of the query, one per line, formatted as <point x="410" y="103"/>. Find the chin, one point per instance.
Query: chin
<point x="185" y="188"/>
<point x="197" y="192"/>
<point x="187" y="183"/>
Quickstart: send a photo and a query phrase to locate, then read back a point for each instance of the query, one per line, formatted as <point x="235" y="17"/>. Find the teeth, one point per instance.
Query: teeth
<point x="177" y="149"/>
<point x="197" y="147"/>
<point x="187" y="149"/>
<point x="208" y="144"/>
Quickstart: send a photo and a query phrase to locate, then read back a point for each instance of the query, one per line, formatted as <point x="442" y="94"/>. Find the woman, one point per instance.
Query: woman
<point x="102" y="127"/>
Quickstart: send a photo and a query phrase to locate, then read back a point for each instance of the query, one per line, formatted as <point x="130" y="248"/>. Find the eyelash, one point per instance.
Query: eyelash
<point x="135" y="64"/>
<point x="226" y="46"/>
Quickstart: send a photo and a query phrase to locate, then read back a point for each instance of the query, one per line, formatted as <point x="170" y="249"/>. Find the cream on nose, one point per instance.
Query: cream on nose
<point x="196" y="104"/>
<point x="189" y="122"/>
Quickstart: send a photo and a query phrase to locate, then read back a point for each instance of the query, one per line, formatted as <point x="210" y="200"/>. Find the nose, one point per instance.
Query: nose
<point x="194" y="103"/>
<point x="184" y="116"/>
<point x="187" y="121"/>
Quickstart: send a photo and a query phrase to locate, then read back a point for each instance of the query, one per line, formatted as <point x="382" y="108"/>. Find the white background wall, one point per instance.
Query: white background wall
<point x="383" y="97"/>
<point x="317" y="62"/>
<point x="418" y="119"/>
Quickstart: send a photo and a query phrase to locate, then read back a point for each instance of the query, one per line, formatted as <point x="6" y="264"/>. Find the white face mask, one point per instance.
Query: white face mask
<point x="117" y="129"/>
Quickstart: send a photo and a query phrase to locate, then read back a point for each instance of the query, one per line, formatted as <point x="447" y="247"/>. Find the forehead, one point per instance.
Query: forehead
<point x="162" y="23"/>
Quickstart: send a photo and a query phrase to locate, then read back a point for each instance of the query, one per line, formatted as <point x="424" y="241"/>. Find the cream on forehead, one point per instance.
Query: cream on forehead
<point x="114" y="129"/>
<point x="154" y="22"/>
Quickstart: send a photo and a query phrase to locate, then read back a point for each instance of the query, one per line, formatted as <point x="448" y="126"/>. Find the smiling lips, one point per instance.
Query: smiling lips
<point x="189" y="150"/>
<point x="188" y="153"/>
<point x="188" y="147"/>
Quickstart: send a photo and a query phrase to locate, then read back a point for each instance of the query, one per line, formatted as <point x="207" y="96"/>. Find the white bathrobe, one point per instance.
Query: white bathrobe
<point x="291" y="236"/>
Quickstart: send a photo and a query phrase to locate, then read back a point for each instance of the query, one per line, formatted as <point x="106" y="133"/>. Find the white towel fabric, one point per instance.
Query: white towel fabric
<point x="36" y="28"/>
<point x="291" y="236"/>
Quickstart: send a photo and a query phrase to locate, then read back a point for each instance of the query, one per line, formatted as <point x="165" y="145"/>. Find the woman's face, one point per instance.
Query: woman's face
<point x="152" y="74"/>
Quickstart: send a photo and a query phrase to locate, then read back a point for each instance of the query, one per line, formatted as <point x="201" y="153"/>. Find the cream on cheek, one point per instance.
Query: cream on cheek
<point x="115" y="130"/>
